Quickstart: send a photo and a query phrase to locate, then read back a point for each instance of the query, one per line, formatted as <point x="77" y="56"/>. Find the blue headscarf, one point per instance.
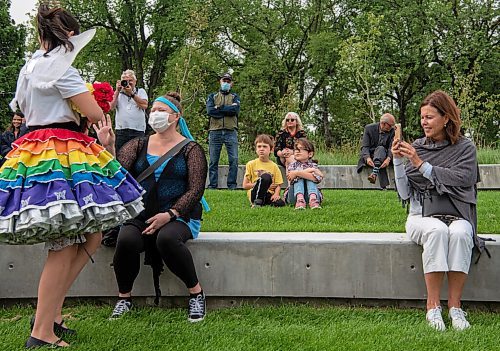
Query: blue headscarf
<point x="185" y="132"/>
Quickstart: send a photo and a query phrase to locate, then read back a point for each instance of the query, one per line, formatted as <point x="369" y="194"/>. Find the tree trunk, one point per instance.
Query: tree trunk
<point x="324" y="119"/>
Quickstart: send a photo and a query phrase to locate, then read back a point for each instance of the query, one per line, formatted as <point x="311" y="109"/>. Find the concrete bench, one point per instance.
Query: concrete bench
<point x="346" y="177"/>
<point x="298" y="265"/>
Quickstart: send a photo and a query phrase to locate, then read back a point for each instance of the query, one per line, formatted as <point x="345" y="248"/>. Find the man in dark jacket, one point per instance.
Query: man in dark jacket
<point x="376" y="149"/>
<point x="223" y="108"/>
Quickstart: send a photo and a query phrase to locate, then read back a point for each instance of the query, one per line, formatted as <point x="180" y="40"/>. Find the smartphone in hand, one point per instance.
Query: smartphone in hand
<point x="398" y="133"/>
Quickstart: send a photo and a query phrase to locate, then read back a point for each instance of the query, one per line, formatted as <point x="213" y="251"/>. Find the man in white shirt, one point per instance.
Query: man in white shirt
<point x="131" y="104"/>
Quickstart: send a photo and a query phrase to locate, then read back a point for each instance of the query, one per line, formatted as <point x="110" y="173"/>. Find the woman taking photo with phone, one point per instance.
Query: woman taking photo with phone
<point x="439" y="182"/>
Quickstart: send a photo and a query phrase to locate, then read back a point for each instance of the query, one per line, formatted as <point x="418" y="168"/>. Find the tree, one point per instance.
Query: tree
<point x="359" y="53"/>
<point x="12" y="44"/>
<point x="139" y="35"/>
<point x="267" y="45"/>
<point x="466" y="47"/>
<point x="339" y="63"/>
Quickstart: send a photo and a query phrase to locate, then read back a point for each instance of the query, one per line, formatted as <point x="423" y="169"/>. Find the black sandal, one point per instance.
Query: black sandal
<point x="59" y="329"/>
<point x="32" y="343"/>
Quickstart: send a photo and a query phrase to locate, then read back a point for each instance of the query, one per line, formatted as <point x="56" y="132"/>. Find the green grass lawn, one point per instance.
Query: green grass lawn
<point x="286" y="327"/>
<point x="343" y="211"/>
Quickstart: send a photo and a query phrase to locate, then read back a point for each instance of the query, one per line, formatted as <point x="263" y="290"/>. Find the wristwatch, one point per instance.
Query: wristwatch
<point x="173" y="216"/>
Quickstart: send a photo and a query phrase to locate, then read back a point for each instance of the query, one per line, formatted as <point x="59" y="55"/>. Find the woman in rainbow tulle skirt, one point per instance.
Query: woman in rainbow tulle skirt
<point x="57" y="185"/>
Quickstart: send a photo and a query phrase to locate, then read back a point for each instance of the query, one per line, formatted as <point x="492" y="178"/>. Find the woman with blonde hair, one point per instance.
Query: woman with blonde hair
<point x="291" y="130"/>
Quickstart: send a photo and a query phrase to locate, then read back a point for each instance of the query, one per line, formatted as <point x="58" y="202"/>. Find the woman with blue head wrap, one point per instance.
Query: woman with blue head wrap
<point x="173" y="201"/>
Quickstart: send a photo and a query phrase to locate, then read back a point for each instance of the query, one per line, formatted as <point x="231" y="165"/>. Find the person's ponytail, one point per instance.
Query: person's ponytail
<point x="54" y="26"/>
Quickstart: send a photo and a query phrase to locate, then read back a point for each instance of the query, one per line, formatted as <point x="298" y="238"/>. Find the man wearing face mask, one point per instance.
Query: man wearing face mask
<point x="223" y="108"/>
<point x="131" y="104"/>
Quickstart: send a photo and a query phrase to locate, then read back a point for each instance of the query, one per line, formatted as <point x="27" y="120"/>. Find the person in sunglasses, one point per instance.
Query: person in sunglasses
<point x="292" y="130"/>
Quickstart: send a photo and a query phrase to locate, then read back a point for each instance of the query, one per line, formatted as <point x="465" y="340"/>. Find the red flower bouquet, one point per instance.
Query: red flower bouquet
<point x="103" y="94"/>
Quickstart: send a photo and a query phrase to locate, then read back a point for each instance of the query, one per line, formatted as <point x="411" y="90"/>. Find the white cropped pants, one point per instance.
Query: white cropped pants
<point x="445" y="248"/>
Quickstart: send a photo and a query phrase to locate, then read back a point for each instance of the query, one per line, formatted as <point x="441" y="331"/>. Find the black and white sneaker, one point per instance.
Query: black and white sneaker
<point x="196" y="308"/>
<point x="121" y="307"/>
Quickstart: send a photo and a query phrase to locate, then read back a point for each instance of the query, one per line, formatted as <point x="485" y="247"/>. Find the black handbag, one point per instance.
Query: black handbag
<point x="436" y="205"/>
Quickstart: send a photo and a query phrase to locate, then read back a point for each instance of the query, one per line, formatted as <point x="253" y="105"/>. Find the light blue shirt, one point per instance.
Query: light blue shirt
<point x="403" y="185"/>
<point x="194" y="224"/>
<point x="159" y="170"/>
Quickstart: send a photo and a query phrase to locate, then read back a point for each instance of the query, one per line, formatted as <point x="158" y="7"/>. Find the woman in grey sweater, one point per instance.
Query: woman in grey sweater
<point x="439" y="182"/>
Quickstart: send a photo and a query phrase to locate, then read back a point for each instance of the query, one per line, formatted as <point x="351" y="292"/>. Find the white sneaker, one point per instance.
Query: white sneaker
<point x="435" y="319"/>
<point x="458" y="321"/>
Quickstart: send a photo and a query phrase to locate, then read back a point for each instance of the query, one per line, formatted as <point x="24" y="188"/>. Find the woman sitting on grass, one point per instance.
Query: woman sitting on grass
<point x="304" y="176"/>
<point x="440" y="183"/>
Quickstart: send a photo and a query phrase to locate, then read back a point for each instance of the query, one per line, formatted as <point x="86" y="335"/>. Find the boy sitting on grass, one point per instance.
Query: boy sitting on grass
<point x="263" y="178"/>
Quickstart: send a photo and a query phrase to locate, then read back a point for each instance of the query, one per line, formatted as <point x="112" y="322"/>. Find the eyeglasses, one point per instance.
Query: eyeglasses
<point x="390" y="125"/>
<point x="290" y="119"/>
<point x="299" y="149"/>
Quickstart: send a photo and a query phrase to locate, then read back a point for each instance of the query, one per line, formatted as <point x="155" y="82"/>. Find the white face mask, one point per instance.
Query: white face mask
<point x="158" y="120"/>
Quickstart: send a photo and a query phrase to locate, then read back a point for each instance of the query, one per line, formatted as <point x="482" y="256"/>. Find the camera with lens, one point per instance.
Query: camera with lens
<point x="124" y="83"/>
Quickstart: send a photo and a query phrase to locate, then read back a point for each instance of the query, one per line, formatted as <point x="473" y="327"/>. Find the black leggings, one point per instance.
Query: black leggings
<point x="170" y="242"/>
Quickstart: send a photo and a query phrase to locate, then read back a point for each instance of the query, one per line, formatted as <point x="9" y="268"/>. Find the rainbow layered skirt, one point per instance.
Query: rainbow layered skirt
<point x="58" y="183"/>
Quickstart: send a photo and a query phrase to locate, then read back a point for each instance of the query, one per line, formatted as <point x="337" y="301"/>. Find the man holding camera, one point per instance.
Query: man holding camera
<point x="131" y="104"/>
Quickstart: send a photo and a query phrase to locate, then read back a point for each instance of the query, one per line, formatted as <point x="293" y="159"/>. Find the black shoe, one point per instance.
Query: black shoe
<point x="32" y="343"/>
<point x="196" y="308"/>
<point x="258" y="203"/>
<point x="59" y="329"/>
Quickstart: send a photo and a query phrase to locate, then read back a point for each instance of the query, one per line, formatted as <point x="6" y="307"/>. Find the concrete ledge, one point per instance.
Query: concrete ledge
<point x="346" y="177"/>
<point x="298" y="265"/>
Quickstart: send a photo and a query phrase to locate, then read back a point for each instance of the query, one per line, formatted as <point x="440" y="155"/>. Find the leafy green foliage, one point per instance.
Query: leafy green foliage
<point x="11" y="60"/>
<point x="140" y="35"/>
<point x="339" y="64"/>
